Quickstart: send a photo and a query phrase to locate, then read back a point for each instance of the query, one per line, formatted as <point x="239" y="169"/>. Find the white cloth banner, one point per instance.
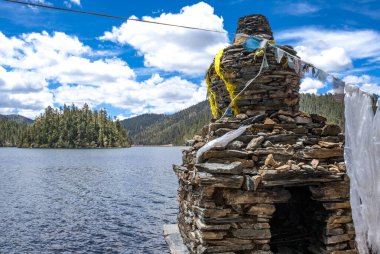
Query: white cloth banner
<point x="362" y="157"/>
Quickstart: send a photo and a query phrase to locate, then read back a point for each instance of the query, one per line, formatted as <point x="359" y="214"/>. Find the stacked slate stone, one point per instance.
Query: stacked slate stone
<point x="276" y="88"/>
<point x="280" y="187"/>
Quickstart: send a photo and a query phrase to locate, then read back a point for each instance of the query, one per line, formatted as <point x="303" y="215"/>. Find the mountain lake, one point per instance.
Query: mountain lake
<point x="87" y="200"/>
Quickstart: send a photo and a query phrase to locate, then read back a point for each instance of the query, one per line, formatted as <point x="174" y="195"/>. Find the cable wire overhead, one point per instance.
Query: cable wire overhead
<point x="111" y="16"/>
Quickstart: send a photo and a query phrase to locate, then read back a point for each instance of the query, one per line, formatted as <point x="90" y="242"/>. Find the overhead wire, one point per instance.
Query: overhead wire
<point x="39" y="5"/>
<point x="111" y="16"/>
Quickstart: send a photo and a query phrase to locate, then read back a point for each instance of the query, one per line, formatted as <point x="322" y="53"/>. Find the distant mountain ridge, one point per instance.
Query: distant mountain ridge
<point x="17" y="118"/>
<point x="138" y="124"/>
<point x="158" y="129"/>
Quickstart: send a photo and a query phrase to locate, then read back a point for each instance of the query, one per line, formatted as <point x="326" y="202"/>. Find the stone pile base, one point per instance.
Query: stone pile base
<point x="281" y="187"/>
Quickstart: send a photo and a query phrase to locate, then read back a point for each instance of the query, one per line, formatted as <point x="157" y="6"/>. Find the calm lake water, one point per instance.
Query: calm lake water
<point x="87" y="201"/>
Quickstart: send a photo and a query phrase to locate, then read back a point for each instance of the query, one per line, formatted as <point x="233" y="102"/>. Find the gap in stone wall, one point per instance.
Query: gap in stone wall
<point x="296" y="224"/>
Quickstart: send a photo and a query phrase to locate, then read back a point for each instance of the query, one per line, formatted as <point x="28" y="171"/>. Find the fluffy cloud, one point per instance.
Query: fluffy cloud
<point x="309" y="85"/>
<point x="40" y="69"/>
<point x="155" y="95"/>
<point x="175" y="49"/>
<point x="330" y="59"/>
<point x="333" y="50"/>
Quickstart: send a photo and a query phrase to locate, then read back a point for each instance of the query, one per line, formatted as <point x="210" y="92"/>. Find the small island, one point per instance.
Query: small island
<point x="67" y="127"/>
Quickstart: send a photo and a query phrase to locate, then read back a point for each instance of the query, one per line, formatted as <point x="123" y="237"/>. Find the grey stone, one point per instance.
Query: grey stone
<point x="219" y="168"/>
<point x="255" y="143"/>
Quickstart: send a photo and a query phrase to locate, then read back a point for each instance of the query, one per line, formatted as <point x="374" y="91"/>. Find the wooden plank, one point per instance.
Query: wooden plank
<point x="174" y="240"/>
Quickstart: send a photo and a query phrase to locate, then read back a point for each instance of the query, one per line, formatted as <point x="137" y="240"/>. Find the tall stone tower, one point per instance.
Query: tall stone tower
<point x="281" y="186"/>
<point x="275" y="88"/>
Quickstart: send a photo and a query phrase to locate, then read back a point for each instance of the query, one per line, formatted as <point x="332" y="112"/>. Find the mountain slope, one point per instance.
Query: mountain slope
<point x="17" y="118"/>
<point x="169" y="129"/>
<point x="137" y="124"/>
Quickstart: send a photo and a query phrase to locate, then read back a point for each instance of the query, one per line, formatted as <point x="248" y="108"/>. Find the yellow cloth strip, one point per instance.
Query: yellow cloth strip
<point x="230" y="87"/>
<point x="212" y="99"/>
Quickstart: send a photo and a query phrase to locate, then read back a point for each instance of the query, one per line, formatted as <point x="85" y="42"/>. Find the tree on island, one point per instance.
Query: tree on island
<point x="71" y="127"/>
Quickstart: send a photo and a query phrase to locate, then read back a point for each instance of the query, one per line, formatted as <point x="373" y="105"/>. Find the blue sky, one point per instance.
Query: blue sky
<point x="129" y="68"/>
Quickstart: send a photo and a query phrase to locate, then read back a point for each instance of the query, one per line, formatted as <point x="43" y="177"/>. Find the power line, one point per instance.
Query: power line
<point x="110" y="16"/>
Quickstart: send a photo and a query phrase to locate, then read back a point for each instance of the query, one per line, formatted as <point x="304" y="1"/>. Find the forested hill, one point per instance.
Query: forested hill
<point x="68" y="127"/>
<point x="153" y="129"/>
<point x="71" y="127"/>
<point x="17" y="119"/>
<point x="138" y="124"/>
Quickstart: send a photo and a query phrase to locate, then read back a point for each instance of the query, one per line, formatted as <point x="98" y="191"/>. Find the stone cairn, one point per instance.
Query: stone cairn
<point x="281" y="187"/>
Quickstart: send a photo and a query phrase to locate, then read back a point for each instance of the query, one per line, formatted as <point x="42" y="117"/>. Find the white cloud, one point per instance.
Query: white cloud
<point x="175" y="49"/>
<point x="371" y="88"/>
<point x="331" y="59"/>
<point x="31" y="64"/>
<point x="352" y="79"/>
<point x="333" y="50"/>
<point x="155" y="95"/>
<point x="21" y="81"/>
<point x="298" y="9"/>
<point x="77" y="2"/>
<point x="121" y="117"/>
<point x="28" y="104"/>
<point x="69" y="3"/>
<point x="310" y="85"/>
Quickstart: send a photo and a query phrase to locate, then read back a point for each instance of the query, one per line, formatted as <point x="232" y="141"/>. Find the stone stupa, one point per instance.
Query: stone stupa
<point x="280" y="187"/>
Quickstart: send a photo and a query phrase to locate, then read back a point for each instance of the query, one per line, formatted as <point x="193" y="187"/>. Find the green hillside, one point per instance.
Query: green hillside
<point x="170" y="129"/>
<point x="138" y="124"/>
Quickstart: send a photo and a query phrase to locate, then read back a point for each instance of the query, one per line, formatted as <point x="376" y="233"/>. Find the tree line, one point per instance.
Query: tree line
<point x="70" y="127"/>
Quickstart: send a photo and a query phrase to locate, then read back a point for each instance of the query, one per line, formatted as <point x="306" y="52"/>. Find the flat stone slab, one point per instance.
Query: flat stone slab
<point x="174" y="240"/>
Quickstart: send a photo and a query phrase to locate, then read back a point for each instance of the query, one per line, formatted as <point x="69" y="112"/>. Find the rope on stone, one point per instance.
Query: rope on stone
<point x="249" y="82"/>
<point x="229" y="86"/>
